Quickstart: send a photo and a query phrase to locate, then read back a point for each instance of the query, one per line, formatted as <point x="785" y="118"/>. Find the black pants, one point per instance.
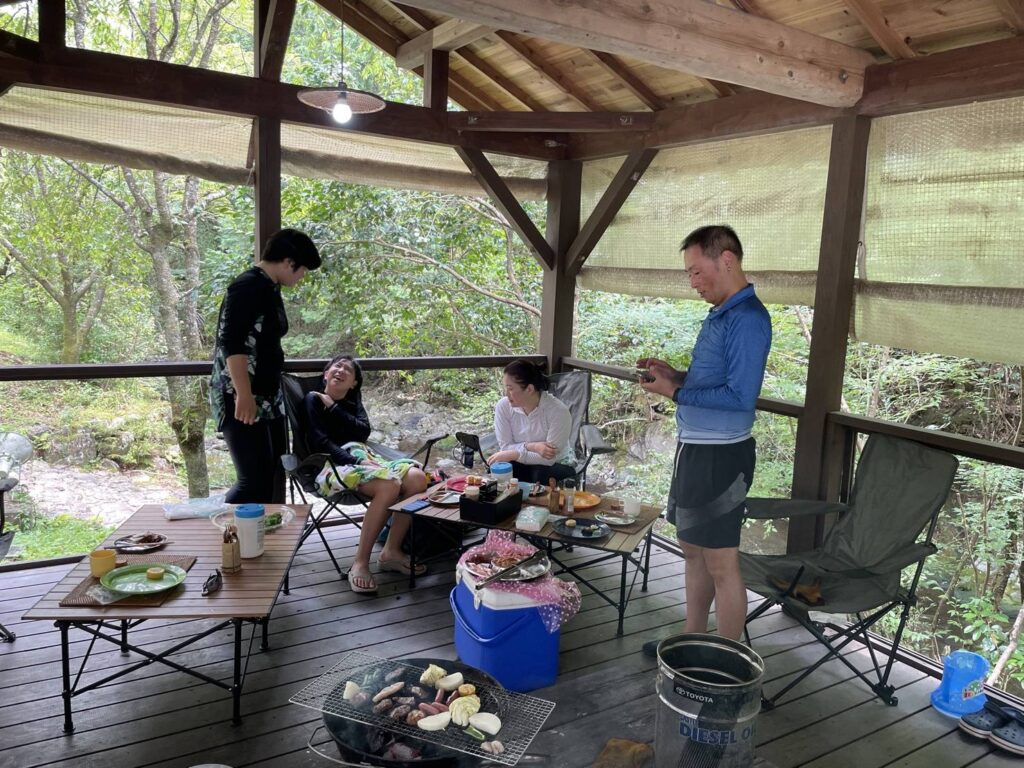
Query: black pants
<point x="541" y="473"/>
<point x="256" y="451"/>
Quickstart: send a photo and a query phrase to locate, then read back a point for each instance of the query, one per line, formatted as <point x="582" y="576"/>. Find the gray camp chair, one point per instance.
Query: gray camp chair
<point x="573" y="389"/>
<point x="899" y="490"/>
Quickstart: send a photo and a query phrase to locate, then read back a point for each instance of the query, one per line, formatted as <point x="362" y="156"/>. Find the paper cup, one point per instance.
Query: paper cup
<point x="101" y="561"/>
<point x="630" y="506"/>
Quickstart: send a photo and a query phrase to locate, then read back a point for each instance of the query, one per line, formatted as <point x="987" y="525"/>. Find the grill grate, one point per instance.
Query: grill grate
<point x="522" y="716"/>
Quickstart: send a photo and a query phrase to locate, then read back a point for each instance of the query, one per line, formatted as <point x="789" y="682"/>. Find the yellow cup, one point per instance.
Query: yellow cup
<point x="101" y="561"/>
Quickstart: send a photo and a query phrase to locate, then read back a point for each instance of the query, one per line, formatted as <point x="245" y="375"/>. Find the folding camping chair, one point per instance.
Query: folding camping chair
<point x="5" y="544"/>
<point x="899" y="489"/>
<point x="303" y="465"/>
<point x="573" y="389"/>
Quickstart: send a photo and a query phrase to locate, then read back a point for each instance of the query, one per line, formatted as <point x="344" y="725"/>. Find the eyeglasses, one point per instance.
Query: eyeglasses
<point x="213" y="582"/>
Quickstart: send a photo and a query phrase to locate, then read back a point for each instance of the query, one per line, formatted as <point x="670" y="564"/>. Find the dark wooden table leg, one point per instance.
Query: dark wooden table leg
<point x="65" y="670"/>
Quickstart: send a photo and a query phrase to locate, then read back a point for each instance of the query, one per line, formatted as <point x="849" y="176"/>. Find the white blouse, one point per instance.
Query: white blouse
<point x="549" y="422"/>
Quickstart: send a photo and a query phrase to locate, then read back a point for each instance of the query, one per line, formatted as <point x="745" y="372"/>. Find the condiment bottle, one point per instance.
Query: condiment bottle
<point x="553" y="498"/>
<point x="570" y="496"/>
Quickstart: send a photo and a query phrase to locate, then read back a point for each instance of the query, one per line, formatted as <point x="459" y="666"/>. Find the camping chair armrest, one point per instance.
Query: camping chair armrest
<point x="905" y="557"/>
<point x="292" y="464"/>
<point x="769" y="509"/>
<point x="429" y="443"/>
<point x="594" y="441"/>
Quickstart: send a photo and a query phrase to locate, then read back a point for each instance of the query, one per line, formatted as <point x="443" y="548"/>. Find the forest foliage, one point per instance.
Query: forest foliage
<point x="111" y="264"/>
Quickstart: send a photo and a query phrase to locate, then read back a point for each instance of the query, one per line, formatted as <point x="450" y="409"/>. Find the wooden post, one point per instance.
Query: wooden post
<point x="52" y="24"/>
<point x="559" y="294"/>
<point x="819" y="453"/>
<point x="267" y="132"/>
<point x="435" y="80"/>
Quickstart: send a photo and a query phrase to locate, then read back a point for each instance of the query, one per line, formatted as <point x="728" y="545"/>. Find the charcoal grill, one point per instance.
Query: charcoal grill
<point x="352" y="727"/>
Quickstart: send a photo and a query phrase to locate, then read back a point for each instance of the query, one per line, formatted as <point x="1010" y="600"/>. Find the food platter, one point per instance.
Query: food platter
<point x="223" y="519"/>
<point x="132" y="579"/>
<point x="457" y="484"/>
<point x="581" y="499"/>
<point x="584" y="529"/>
<point x="444" y="497"/>
<point x="615" y="518"/>
<point x="137" y="543"/>
<point x="484" y="566"/>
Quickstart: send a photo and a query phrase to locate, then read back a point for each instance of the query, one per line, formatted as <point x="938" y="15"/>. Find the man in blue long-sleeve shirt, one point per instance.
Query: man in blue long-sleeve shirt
<point x="715" y="407"/>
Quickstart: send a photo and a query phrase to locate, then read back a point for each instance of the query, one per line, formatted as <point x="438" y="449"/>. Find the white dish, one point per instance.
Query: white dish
<point x="613" y="519"/>
<point x="223" y="519"/>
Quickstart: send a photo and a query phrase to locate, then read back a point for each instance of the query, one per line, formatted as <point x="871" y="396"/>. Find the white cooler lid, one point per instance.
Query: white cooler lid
<point x="495" y="599"/>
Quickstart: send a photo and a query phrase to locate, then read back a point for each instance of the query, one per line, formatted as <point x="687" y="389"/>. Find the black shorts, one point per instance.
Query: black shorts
<point x="709" y="490"/>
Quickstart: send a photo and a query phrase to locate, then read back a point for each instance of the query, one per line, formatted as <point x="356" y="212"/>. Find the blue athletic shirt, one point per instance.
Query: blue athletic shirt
<point x="718" y="399"/>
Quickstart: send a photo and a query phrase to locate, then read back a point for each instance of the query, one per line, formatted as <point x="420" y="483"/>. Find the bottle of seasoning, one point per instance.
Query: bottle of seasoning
<point x="553" y="496"/>
<point x="569" y="485"/>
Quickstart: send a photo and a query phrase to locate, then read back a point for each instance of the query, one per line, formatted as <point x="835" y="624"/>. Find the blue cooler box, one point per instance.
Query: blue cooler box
<point x="504" y="637"/>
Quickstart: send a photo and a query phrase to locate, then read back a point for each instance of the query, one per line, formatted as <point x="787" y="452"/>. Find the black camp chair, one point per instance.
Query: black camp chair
<point x="303" y="465"/>
<point x="899" y="490"/>
<point x="573" y="389"/>
<point x="5" y="544"/>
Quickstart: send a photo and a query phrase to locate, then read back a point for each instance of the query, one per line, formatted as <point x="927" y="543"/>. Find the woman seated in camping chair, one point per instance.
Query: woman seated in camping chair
<point x="532" y="426"/>
<point x="339" y="427"/>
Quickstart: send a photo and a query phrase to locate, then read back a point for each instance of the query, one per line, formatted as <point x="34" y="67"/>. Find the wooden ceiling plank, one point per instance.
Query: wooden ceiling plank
<point x="717" y="87"/>
<point x="877" y="25"/>
<point x="274" y="26"/>
<point x="507" y="203"/>
<point x="548" y="72"/>
<point x="607" y="208"/>
<point x="448" y="36"/>
<point x="685" y="35"/>
<point x="620" y="70"/>
<point x="1013" y="12"/>
<point x="135" y="79"/>
<point x="547" y="122"/>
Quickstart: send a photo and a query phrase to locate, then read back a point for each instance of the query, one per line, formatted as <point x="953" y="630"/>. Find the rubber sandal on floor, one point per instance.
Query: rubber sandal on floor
<point x="985" y="720"/>
<point x="1011" y="735"/>
<point x="365" y="577"/>
<point x="400" y="566"/>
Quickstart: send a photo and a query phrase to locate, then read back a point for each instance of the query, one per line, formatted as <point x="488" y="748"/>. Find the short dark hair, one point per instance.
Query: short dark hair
<point x="713" y="240"/>
<point x="292" y="244"/>
<point x="525" y="373"/>
<point x="356" y="393"/>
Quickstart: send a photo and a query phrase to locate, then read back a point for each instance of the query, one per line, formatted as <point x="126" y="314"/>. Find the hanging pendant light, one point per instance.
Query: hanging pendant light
<point x="342" y="102"/>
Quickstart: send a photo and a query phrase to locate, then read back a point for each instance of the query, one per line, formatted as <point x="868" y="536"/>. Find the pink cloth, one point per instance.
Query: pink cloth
<point x="557" y="600"/>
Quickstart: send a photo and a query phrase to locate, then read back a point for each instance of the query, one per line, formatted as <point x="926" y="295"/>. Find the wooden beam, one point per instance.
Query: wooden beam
<point x="607" y="208"/>
<point x="565" y="122"/>
<point x="52" y="23"/>
<point x="618" y="68"/>
<point x="686" y="35"/>
<point x="435" y="81"/>
<point x="449" y="36"/>
<point x="273" y="27"/>
<point x="558" y="300"/>
<point x="833" y="305"/>
<point x="548" y="72"/>
<point x="416" y="16"/>
<point x="18" y="47"/>
<point x="877" y="25"/>
<point x="136" y="79"/>
<point x="1013" y="12"/>
<point x="717" y="87"/>
<point x="267" y="133"/>
<point x="506" y="202"/>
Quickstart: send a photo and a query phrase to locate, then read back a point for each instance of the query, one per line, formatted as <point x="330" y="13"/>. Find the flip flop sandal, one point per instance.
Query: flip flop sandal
<point x="1010" y="736"/>
<point x="366" y="578"/>
<point x="400" y="566"/>
<point x="985" y="720"/>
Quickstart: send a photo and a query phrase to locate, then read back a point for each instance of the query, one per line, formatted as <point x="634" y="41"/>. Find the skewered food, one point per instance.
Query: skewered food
<point x="432" y="674"/>
<point x="435" y="722"/>
<point x="486" y="722"/>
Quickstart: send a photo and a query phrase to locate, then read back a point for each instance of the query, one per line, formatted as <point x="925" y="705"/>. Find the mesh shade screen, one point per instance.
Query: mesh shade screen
<point x="770" y="189"/>
<point x="942" y="269"/>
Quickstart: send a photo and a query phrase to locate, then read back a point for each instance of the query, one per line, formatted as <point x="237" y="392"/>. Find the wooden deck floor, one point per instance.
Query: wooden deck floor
<point x="158" y="717"/>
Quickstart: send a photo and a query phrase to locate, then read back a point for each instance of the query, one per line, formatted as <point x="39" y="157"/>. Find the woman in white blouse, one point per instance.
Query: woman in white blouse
<point x="532" y="426"/>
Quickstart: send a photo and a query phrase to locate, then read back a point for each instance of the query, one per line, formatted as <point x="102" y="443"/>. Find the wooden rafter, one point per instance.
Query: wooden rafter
<point x="273" y="27"/>
<point x="52" y="23"/>
<point x="420" y="19"/>
<point x="877" y="25"/>
<point x="618" y="69"/>
<point x="549" y="122"/>
<point x="686" y="35"/>
<point x="1013" y="12"/>
<point x="18" y="47"/>
<point x="604" y="213"/>
<point x="507" y="203"/>
<point x="560" y="80"/>
<point x="449" y="36"/>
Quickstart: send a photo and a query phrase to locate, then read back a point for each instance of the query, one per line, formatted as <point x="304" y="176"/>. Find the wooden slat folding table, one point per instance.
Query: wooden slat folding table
<point x="624" y="542"/>
<point x="246" y="596"/>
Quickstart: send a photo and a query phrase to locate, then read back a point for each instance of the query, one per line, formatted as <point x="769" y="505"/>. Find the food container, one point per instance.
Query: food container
<point x="490" y="512"/>
<point x="501" y="471"/>
<point x="504" y="635"/>
<point x="250" y="520"/>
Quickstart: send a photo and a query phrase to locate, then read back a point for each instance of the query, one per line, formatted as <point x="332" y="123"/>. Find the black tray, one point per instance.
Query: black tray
<point x="489" y="512"/>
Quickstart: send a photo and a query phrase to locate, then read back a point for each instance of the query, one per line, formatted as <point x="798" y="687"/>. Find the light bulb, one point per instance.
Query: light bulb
<point x="342" y="112"/>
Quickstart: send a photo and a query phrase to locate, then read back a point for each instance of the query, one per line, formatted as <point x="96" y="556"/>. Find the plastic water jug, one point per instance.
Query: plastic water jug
<point x="962" y="688"/>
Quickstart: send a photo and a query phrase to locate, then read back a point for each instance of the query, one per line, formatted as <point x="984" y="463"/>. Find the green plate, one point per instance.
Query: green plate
<point x="131" y="579"/>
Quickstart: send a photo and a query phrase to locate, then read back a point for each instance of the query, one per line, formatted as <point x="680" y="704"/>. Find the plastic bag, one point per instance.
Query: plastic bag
<point x="196" y="508"/>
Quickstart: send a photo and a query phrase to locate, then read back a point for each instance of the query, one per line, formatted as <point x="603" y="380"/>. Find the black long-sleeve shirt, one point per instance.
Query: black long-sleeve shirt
<point x="331" y="428"/>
